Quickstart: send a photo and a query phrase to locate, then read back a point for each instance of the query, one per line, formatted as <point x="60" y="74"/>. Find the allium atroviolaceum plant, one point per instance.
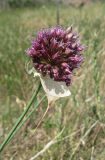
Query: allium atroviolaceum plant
<point x="55" y="54"/>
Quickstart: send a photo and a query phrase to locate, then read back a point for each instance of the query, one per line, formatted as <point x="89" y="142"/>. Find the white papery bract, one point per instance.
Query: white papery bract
<point x="53" y="89"/>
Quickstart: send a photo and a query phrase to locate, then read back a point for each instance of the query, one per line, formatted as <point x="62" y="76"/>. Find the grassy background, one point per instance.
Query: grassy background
<point x="75" y="114"/>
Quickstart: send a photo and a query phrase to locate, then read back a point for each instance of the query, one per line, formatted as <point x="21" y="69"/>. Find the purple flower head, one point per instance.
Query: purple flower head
<point x="56" y="52"/>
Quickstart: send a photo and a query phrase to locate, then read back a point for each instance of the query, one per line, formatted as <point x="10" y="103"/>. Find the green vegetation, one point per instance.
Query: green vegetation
<point x="77" y="114"/>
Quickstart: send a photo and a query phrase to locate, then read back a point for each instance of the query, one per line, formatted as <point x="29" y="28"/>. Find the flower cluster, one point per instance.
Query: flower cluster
<point x="56" y="52"/>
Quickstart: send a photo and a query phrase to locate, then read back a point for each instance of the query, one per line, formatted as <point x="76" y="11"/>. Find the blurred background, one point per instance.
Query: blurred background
<point x="82" y="115"/>
<point x="33" y="3"/>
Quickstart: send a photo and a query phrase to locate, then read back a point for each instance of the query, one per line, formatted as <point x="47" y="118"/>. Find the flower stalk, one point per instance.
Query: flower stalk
<point x="11" y="134"/>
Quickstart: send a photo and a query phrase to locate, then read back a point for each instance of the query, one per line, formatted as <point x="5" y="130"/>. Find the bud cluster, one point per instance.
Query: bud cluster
<point x="56" y="52"/>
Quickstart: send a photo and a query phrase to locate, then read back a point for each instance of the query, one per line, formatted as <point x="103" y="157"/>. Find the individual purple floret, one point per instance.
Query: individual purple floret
<point x="56" y="52"/>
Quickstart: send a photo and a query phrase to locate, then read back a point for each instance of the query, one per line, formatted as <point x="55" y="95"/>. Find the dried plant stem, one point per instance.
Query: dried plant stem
<point x="92" y="153"/>
<point x="20" y="119"/>
<point x="52" y="142"/>
<point x="49" y="104"/>
<point x="58" y="12"/>
<point x="47" y="145"/>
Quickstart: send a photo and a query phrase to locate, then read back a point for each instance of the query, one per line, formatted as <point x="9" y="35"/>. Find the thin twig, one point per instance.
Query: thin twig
<point x="92" y="153"/>
<point x="52" y="142"/>
<point x="47" y="146"/>
<point x="49" y="104"/>
<point x="42" y="117"/>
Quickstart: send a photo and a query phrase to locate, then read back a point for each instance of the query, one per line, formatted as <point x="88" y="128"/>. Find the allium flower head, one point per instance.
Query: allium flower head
<point x="56" y="52"/>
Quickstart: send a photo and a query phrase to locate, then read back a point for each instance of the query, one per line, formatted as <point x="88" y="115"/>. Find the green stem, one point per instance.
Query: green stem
<point x="28" y="116"/>
<point x="20" y="119"/>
